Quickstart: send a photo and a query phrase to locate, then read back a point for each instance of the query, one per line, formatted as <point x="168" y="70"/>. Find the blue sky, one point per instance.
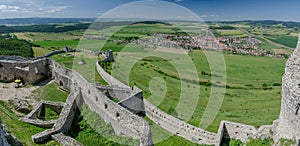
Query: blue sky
<point x="286" y="10"/>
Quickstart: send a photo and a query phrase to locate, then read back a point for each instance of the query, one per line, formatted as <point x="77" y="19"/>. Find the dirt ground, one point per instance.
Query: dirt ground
<point x="9" y="92"/>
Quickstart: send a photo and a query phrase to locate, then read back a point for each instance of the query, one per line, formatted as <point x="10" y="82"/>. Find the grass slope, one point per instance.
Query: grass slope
<point x="50" y="92"/>
<point x="253" y="87"/>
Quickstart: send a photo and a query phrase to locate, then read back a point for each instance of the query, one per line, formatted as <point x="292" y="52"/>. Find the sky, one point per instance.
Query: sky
<point x="208" y="10"/>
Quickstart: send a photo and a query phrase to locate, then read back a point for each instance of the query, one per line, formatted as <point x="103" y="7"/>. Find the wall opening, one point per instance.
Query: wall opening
<point x="61" y="83"/>
<point x="105" y="106"/>
<point x="117" y="114"/>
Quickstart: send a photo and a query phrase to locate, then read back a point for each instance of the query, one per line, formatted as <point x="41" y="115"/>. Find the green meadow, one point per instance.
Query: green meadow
<point x="253" y="89"/>
<point x="286" y="40"/>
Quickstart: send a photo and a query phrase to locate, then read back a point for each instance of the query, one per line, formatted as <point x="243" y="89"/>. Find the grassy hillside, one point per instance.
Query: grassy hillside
<point x="253" y="90"/>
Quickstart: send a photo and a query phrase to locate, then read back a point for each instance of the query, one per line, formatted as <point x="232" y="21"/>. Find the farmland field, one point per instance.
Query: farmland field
<point x="39" y="51"/>
<point x="290" y="41"/>
<point x="57" y="44"/>
<point x="231" y="33"/>
<point x="34" y="36"/>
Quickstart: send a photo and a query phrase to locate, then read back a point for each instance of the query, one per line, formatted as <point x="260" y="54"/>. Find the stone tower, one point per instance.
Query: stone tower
<point x="289" y="119"/>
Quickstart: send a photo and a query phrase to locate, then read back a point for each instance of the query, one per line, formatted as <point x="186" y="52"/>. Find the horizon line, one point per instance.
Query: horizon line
<point x="238" y="20"/>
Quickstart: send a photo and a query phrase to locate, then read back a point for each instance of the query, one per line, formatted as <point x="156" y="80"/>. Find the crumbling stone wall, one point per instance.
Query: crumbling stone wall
<point x="289" y="119"/>
<point x="122" y="120"/>
<point x="115" y="92"/>
<point x="29" y="71"/>
<point x="63" y="123"/>
<point x="178" y="127"/>
<point x="243" y="132"/>
<point x="62" y="75"/>
<point x="35" y="117"/>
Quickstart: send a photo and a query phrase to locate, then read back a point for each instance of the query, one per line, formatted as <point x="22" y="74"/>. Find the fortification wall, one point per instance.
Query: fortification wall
<point x="289" y="119"/>
<point x="243" y="132"/>
<point x="108" y="78"/>
<point x="62" y="75"/>
<point x="30" y="71"/>
<point x="166" y="121"/>
<point x="123" y="121"/>
<point x="65" y="120"/>
<point x="118" y="93"/>
<point x="178" y="127"/>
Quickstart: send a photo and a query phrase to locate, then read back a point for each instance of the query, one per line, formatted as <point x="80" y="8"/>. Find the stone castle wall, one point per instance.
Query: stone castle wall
<point x="289" y="119"/>
<point x="123" y="121"/>
<point x="110" y="79"/>
<point x="178" y="127"/>
<point x="166" y="121"/>
<point x="29" y="71"/>
<point x="243" y="132"/>
<point x="116" y="93"/>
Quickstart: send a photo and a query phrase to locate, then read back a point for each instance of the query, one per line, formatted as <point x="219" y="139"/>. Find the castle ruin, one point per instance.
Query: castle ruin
<point x="126" y="115"/>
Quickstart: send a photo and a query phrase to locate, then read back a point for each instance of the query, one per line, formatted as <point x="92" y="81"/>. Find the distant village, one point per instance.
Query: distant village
<point x="227" y="44"/>
<point x="235" y="45"/>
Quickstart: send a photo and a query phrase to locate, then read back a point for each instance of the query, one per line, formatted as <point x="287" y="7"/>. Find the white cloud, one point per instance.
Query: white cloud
<point x="209" y="16"/>
<point x="7" y="8"/>
<point x="31" y="8"/>
<point x="176" y="1"/>
<point x="57" y="9"/>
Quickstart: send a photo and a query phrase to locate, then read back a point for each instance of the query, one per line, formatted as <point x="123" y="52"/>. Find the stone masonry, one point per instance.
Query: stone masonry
<point x="289" y="119"/>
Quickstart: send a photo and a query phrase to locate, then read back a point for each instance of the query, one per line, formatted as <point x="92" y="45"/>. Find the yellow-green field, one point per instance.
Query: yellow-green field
<point x="236" y="33"/>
